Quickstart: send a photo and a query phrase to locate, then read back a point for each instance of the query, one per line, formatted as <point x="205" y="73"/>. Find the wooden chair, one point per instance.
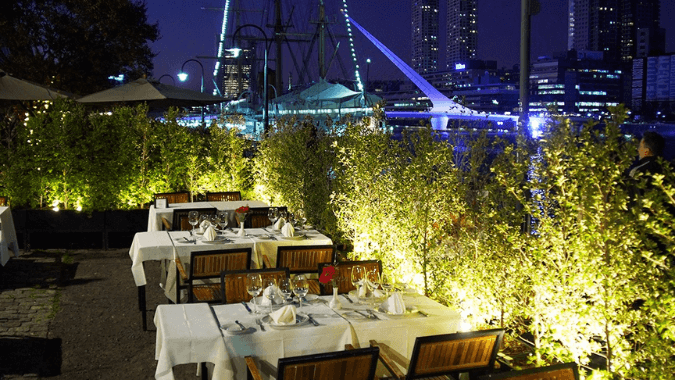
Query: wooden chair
<point x="343" y="274"/>
<point x="258" y="217"/>
<point x="449" y="354"/>
<point x="224" y="196"/>
<point x="233" y="282"/>
<point x="567" y="371"/>
<point x="303" y="259"/>
<point x="3" y="201"/>
<point x="181" y="222"/>
<point x="351" y="364"/>
<point x="181" y="197"/>
<point x="205" y="265"/>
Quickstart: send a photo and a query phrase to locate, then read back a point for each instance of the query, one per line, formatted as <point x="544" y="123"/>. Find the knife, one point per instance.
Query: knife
<point x="215" y="317"/>
<point x="348" y="299"/>
<point x="315" y="323"/>
<point x="424" y="313"/>
<point x="246" y="306"/>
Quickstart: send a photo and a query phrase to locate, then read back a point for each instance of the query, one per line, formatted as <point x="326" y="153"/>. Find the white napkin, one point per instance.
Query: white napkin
<point x="377" y="293"/>
<point x="204" y="225"/>
<point x="280" y="223"/>
<point x="284" y="316"/>
<point x="210" y="234"/>
<point x="394" y="304"/>
<point x="362" y="291"/>
<point x="276" y="299"/>
<point x="287" y="230"/>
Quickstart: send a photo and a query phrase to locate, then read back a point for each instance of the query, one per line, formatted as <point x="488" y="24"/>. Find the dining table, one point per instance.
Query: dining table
<point x="199" y="332"/>
<point x="156" y="214"/>
<point x="8" y="240"/>
<point x="165" y="246"/>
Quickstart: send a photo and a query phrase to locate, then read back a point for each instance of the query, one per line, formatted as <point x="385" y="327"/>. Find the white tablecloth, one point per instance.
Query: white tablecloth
<point x="8" y="239"/>
<point x="335" y="330"/>
<point x="161" y="245"/>
<point x="155" y="215"/>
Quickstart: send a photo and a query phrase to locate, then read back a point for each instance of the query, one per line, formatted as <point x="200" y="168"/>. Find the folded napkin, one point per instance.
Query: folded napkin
<point x="362" y="291"/>
<point x="276" y="299"/>
<point x="394" y="304"/>
<point x="377" y="293"/>
<point x="210" y="234"/>
<point x="287" y="230"/>
<point x="204" y="225"/>
<point x="280" y="223"/>
<point x="284" y="316"/>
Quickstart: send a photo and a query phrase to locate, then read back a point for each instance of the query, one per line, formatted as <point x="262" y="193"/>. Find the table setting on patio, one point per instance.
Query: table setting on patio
<point x="225" y="334"/>
<point x="155" y="215"/>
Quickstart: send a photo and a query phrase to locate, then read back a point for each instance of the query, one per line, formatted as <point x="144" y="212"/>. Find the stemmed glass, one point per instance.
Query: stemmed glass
<point x="193" y="218"/>
<point x="273" y="215"/>
<point x="358" y="276"/>
<point x="270" y="282"/>
<point x="387" y="283"/>
<point x="373" y="281"/>
<point x="202" y="218"/>
<point x="282" y="215"/>
<point x="300" y="288"/>
<point x="215" y="220"/>
<point x="224" y="220"/>
<point x="254" y="287"/>
<point x="301" y="218"/>
<point x="286" y="288"/>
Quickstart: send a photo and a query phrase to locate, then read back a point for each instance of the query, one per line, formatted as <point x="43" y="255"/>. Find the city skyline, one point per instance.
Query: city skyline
<point x="191" y="29"/>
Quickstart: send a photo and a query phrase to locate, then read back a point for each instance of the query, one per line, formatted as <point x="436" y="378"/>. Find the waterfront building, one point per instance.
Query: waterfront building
<point x="620" y="29"/>
<point x="425" y="36"/>
<point x="236" y="74"/>
<point x="461" y="32"/>
<point x="653" y="87"/>
<point x="575" y="84"/>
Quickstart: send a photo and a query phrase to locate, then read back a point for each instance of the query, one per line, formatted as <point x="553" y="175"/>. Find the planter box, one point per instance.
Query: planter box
<point x="68" y="229"/>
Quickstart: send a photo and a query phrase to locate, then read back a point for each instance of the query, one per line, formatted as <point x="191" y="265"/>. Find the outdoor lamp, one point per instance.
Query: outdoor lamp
<point x="182" y="76"/>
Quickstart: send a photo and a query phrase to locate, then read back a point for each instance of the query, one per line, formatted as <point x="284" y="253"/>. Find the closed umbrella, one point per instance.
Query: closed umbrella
<point x="17" y="89"/>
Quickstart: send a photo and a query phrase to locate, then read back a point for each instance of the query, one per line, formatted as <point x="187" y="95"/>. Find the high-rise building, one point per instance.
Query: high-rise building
<point x="425" y="36"/>
<point x="462" y="32"/>
<point x="611" y="26"/>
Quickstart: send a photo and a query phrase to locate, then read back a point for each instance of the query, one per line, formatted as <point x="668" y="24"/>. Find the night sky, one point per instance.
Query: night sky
<point x="188" y="31"/>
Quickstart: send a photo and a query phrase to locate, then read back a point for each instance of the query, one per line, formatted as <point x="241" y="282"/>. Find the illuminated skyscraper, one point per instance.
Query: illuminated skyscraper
<point x="611" y="26"/>
<point x="425" y="36"/>
<point x="462" y="32"/>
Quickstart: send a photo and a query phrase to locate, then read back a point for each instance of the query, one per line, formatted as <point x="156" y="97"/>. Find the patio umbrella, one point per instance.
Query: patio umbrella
<point x="157" y="95"/>
<point x="17" y="89"/>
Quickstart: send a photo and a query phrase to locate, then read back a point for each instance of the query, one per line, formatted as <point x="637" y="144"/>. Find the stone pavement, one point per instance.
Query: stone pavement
<point x="29" y="300"/>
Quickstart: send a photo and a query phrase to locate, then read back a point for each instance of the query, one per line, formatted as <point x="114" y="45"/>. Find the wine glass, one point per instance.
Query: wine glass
<point x="273" y="214"/>
<point x="202" y="218"/>
<point x="286" y="288"/>
<point x="373" y="281"/>
<point x="224" y="220"/>
<point x="267" y="283"/>
<point x="387" y="283"/>
<point x="254" y="287"/>
<point x="193" y="218"/>
<point x="358" y="276"/>
<point x="300" y="288"/>
<point x="301" y="218"/>
<point x="282" y="215"/>
<point x="214" y="219"/>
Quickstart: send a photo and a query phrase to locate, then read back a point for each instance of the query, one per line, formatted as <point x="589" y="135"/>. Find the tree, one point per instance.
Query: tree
<point x="76" y="45"/>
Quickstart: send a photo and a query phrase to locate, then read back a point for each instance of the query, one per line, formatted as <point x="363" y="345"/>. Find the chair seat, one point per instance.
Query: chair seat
<point x="207" y="293"/>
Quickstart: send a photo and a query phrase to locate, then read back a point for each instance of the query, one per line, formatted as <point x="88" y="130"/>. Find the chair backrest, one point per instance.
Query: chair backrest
<point x="224" y="196"/>
<point x="566" y="371"/>
<point x="343" y="274"/>
<point x="181" y="197"/>
<point x="258" y="217"/>
<point x="304" y="258"/>
<point x="3" y="201"/>
<point x="450" y="354"/>
<point x="358" y="364"/>
<point x="180" y="217"/>
<point x="210" y="264"/>
<point x="233" y="282"/>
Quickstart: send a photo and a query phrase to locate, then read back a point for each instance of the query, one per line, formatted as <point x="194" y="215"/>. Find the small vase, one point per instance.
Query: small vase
<point x="335" y="303"/>
<point x="242" y="232"/>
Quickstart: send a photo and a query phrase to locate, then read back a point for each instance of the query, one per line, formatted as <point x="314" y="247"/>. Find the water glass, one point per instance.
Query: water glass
<point x="358" y="277"/>
<point x="286" y="288"/>
<point x="300" y="288"/>
<point x="254" y="287"/>
<point x="193" y="219"/>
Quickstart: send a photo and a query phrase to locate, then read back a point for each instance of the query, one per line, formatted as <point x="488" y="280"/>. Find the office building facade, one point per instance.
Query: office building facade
<point x="425" y="36"/>
<point x="461" y="32"/>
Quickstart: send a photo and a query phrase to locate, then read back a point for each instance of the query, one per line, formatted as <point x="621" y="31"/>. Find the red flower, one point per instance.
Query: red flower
<point x="327" y="274"/>
<point x="242" y="210"/>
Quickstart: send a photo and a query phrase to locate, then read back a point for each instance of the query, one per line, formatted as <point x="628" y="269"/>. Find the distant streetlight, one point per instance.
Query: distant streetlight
<point x="367" y="73"/>
<point x="167" y="75"/>
<point x="183" y="77"/>
<point x="266" y="117"/>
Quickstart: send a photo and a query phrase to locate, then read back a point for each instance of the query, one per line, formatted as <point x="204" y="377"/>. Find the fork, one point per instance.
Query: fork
<point x="259" y="322"/>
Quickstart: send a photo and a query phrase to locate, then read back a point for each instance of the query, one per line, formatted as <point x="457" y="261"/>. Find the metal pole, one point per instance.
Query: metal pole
<point x="524" y="63"/>
<point x="182" y="69"/>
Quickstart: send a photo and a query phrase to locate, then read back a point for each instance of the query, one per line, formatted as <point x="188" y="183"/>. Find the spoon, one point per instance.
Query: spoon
<point x="240" y="325"/>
